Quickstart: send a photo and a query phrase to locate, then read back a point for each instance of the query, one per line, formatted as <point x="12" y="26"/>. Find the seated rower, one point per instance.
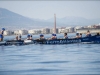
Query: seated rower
<point x="17" y="37"/>
<point x="97" y="34"/>
<point x="42" y="37"/>
<point x="1" y="34"/>
<point x="28" y="37"/>
<point x="54" y="36"/>
<point x="77" y="35"/>
<point x="3" y="29"/>
<point x="65" y="36"/>
<point x="20" y="37"/>
<point x="88" y="34"/>
<point x="80" y="35"/>
<point x="1" y="37"/>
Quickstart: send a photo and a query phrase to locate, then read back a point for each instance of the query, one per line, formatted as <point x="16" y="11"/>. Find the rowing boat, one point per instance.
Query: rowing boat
<point x="92" y="39"/>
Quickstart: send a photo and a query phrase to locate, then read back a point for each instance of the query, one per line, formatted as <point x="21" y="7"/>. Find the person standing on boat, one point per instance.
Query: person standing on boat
<point x="88" y="34"/>
<point x="54" y="36"/>
<point x="1" y="34"/>
<point x="42" y="37"/>
<point x="65" y="36"/>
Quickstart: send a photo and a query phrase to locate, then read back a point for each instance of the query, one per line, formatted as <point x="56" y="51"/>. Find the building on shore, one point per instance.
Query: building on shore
<point x="63" y="30"/>
<point x="8" y="32"/>
<point x="22" y="32"/>
<point x="31" y="32"/>
<point x="45" y="31"/>
<point x="92" y="30"/>
<point x="70" y="29"/>
<point x="53" y="30"/>
<point x="35" y="31"/>
<point x="16" y="32"/>
<point x="78" y="27"/>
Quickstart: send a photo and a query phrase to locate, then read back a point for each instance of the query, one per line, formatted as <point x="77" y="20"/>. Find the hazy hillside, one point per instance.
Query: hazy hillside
<point x="14" y="20"/>
<point x="73" y="21"/>
<point x="9" y="18"/>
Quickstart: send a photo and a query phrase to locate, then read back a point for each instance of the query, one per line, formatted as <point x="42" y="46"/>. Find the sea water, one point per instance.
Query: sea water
<point x="49" y="59"/>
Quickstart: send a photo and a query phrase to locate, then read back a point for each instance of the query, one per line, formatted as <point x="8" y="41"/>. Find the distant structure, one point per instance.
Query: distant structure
<point x="55" y="23"/>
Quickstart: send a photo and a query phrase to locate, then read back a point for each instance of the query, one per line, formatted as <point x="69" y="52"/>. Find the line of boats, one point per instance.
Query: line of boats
<point x="93" y="39"/>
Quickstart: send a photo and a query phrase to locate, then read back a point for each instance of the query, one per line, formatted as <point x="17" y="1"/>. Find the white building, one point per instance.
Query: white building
<point x="52" y="30"/>
<point x="46" y="31"/>
<point x="78" y="27"/>
<point x="16" y="32"/>
<point x="93" y="30"/>
<point x="22" y="32"/>
<point x="71" y="29"/>
<point x="35" y="31"/>
<point x="7" y="32"/>
<point x="31" y="31"/>
<point x="63" y="30"/>
<point x="90" y="26"/>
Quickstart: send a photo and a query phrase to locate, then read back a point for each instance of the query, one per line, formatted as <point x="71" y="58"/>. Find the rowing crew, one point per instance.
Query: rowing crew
<point x="29" y="37"/>
<point x="78" y="35"/>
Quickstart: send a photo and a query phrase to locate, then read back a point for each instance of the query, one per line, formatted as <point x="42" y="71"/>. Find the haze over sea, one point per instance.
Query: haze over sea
<point x="40" y="14"/>
<point x="49" y="59"/>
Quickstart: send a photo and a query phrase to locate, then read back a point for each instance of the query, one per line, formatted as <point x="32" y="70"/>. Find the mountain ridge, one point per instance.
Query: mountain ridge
<point x="9" y="18"/>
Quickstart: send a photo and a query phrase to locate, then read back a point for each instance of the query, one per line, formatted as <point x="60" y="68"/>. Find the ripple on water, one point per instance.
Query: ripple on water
<point x="50" y="59"/>
<point x="53" y="62"/>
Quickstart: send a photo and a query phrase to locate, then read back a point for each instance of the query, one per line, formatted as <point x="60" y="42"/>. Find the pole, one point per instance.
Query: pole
<point x="55" y="23"/>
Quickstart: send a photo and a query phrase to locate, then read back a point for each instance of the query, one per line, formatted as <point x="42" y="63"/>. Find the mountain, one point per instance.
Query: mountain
<point x="74" y="21"/>
<point x="10" y="18"/>
<point x="13" y="20"/>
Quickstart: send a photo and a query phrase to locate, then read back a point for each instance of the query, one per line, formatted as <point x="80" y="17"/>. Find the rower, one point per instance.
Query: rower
<point x="28" y="37"/>
<point x="1" y="34"/>
<point x="42" y="37"/>
<point x="17" y="37"/>
<point x="88" y="34"/>
<point x="3" y="29"/>
<point x="54" y="36"/>
<point x="65" y="36"/>
<point x="80" y="35"/>
<point x="20" y="37"/>
<point x="77" y="35"/>
<point x="97" y="34"/>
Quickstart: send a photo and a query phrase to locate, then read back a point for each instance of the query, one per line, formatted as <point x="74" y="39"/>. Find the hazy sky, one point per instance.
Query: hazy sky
<point x="46" y="9"/>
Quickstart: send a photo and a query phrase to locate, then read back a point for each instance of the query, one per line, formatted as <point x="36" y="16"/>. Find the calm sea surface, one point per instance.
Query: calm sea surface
<point x="49" y="59"/>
